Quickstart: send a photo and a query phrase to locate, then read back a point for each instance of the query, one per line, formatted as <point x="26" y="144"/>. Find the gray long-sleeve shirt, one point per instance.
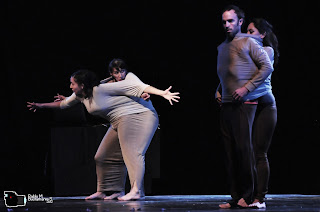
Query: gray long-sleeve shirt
<point x="113" y="100"/>
<point x="242" y="62"/>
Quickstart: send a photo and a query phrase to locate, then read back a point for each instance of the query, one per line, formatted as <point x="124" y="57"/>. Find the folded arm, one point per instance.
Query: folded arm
<point x="265" y="68"/>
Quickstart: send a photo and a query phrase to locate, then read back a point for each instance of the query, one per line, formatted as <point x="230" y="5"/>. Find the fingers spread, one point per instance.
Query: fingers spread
<point x="178" y="97"/>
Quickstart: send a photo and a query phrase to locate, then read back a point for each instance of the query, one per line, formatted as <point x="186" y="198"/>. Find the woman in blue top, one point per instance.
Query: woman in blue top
<point x="266" y="114"/>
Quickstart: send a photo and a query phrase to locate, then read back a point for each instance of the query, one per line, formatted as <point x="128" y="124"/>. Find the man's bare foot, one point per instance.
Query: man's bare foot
<point x="255" y="201"/>
<point x="97" y="195"/>
<point x="242" y="203"/>
<point x="114" y="196"/>
<point x="225" y="206"/>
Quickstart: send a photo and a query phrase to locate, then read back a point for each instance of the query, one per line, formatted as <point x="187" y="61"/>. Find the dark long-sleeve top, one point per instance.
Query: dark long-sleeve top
<point x="242" y="62"/>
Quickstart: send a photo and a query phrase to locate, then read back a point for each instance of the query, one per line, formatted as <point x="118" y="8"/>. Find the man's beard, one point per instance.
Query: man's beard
<point x="232" y="34"/>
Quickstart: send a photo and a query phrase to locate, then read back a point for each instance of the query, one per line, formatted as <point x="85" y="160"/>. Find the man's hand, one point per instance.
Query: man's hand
<point x="218" y="98"/>
<point x="219" y="101"/>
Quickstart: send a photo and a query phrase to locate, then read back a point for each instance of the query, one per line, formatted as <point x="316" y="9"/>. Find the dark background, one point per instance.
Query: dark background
<point x="164" y="43"/>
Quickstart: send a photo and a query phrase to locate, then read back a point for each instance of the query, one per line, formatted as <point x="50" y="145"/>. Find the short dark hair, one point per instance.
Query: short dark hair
<point x="88" y="78"/>
<point x="237" y="10"/>
<point x="117" y="64"/>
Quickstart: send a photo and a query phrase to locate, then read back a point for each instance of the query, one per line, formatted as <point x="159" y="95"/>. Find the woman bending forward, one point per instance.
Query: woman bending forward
<point x="132" y="127"/>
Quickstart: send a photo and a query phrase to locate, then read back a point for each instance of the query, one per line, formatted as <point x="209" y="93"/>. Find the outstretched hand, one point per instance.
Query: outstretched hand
<point x="32" y="106"/>
<point x="59" y="97"/>
<point x="171" y="96"/>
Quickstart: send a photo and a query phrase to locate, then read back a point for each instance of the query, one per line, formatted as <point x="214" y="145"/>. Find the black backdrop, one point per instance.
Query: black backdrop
<point x="164" y="43"/>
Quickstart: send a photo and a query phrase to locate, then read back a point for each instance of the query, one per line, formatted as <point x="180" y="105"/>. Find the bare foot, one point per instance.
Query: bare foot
<point x="97" y="195"/>
<point x="132" y="195"/>
<point x="242" y="203"/>
<point x="225" y="206"/>
<point x="114" y="196"/>
<point x="255" y="200"/>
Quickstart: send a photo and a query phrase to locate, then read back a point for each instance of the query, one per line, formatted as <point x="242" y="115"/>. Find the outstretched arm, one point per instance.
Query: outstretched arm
<point x="34" y="106"/>
<point x="144" y="96"/>
<point x="165" y="94"/>
<point x="65" y="103"/>
<point x="133" y="86"/>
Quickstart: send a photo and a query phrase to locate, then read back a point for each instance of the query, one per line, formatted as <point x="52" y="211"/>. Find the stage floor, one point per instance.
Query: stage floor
<point x="287" y="202"/>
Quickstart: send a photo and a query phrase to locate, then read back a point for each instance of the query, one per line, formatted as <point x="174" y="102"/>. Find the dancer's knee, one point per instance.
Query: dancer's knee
<point x="261" y="157"/>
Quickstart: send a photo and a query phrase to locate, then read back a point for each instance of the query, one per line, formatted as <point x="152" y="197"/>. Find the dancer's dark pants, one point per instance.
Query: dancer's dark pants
<point x="124" y="147"/>
<point x="263" y="128"/>
<point x="236" y="128"/>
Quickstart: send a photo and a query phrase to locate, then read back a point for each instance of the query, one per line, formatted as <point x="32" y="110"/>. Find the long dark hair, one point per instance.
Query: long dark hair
<point x="88" y="79"/>
<point x="270" y="38"/>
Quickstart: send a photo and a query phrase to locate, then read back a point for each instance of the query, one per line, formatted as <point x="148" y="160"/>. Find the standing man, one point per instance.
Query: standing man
<point x="242" y="66"/>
